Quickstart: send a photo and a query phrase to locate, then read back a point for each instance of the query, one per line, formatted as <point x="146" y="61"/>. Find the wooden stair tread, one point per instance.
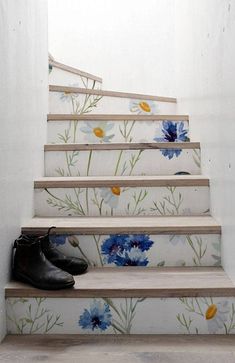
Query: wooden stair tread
<point x="109" y="225"/>
<point x="138" y="282"/>
<point x="122" y="146"/>
<point x="115" y="117"/>
<point x="129" y="181"/>
<point x="58" y="88"/>
<point x="128" y="348"/>
<point x="73" y="70"/>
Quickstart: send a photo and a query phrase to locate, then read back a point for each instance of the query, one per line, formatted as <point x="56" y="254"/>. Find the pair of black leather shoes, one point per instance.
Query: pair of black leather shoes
<point x="39" y="263"/>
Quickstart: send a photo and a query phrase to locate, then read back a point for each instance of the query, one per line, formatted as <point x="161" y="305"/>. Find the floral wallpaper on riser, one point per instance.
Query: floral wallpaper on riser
<point x="142" y="249"/>
<point x="198" y="315"/>
<point x="63" y="78"/>
<point x="120" y="162"/>
<point x="121" y="201"/>
<point x="82" y="104"/>
<point x="119" y="131"/>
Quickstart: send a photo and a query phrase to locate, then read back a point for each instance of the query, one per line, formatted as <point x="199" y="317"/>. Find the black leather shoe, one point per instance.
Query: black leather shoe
<point x="73" y="265"/>
<point x="30" y="265"/>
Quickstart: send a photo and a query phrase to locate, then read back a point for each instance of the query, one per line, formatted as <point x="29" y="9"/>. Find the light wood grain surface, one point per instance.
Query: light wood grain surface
<point x="56" y="88"/>
<point x="122" y="181"/>
<point x="114" y="117"/>
<point x="122" y="146"/>
<point x="73" y="70"/>
<point x="71" y="348"/>
<point x="138" y="282"/>
<point x="109" y="225"/>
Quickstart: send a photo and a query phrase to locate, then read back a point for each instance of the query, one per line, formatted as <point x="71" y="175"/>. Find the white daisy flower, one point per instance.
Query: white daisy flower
<point x="111" y="196"/>
<point x="216" y="315"/>
<point x="67" y="96"/>
<point x="143" y="107"/>
<point x="96" y="131"/>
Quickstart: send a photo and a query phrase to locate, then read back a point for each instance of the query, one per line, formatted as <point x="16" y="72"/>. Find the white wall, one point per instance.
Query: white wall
<point x="130" y="43"/>
<point x="205" y="76"/>
<point x="23" y="102"/>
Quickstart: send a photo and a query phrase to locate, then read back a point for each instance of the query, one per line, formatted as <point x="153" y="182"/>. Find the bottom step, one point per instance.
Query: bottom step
<point x="116" y="349"/>
<point x="128" y="301"/>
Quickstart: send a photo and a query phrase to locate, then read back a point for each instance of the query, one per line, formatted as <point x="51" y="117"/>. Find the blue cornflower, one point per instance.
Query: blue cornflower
<point x="134" y="257"/>
<point x="113" y="246"/>
<point x="142" y="241"/>
<point x="59" y="239"/>
<point x="172" y="132"/>
<point x="98" y="317"/>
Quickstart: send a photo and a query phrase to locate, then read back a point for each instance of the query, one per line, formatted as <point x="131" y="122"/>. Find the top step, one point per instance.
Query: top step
<point x="65" y="75"/>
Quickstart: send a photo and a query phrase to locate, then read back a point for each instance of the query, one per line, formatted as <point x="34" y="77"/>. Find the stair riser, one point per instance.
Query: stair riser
<point x="131" y="201"/>
<point x="120" y="162"/>
<point x="64" y="78"/>
<point x="162" y="250"/>
<point x="201" y="315"/>
<point x="60" y="102"/>
<point x="107" y="131"/>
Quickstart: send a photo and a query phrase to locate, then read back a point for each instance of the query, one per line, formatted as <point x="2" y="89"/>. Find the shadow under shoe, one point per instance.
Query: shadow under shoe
<point x="30" y="265"/>
<point x="73" y="265"/>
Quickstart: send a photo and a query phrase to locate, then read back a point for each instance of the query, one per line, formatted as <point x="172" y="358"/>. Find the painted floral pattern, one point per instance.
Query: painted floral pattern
<point x="126" y="131"/>
<point x="142" y="249"/>
<point x="122" y="201"/>
<point x="98" y="131"/>
<point x="126" y="250"/>
<point x="217" y="313"/>
<point x="188" y="315"/>
<point x="120" y="162"/>
<point x="35" y="316"/>
<point x="197" y="315"/>
<point x="143" y="107"/>
<point x="97" y="317"/>
<point x="172" y="132"/>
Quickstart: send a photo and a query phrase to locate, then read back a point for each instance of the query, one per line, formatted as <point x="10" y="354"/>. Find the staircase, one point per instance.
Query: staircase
<point x="135" y="207"/>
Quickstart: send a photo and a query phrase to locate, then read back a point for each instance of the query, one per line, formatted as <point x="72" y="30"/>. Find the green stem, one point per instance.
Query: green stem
<point x="133" y="164"/>
<point x="87" y="173"/>
<point x="118" y="162"/>
<point x="68" y="164"/>
<point x="33" y="320"/>
<point x="129" y="132"/>
<point x="79" y="203"/>
<point x="172" y="190"/>
<point x="89" y="163"/>
<point x="75" y="130"/>
<point x="190" y="242"/>
<point x="98" y="250"/>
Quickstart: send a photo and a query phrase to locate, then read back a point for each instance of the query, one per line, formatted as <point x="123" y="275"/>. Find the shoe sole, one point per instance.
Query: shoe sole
<point x="21" y="277"/>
